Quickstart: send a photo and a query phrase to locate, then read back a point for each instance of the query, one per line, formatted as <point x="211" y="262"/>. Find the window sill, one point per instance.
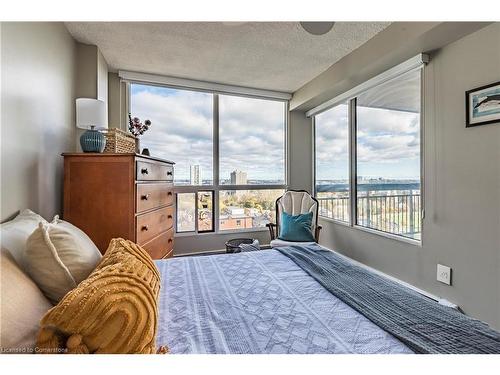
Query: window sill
<point x="221" y="232"/>
<point x="417" y="243"/>
<point x="331" y="220"/>
<point x="391" y="236"/>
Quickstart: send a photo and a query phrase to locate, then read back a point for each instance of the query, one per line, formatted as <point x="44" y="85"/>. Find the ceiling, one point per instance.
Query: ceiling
<point x="277" y="56"/>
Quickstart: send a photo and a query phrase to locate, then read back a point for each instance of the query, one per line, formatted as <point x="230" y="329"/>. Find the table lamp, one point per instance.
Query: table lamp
<point x="91" y="115"/>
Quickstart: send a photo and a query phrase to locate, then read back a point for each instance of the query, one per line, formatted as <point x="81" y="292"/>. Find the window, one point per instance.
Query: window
<point x="248" y="209"/>
<point x="186" y="212"/>
<point x="385" y="158"/>
<point x="251" y="141"/>
<point x="388" y="157"/>
<point x="247" y="136"/>
<point x="332" y="162"/>
<point x="181" y="130"/>
<point x="205" y="211"/>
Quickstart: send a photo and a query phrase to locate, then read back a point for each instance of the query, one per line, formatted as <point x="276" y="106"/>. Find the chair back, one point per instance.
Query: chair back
<point x="297" y="202"/>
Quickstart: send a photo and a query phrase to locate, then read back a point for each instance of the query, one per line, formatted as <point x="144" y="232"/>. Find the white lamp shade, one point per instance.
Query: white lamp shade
<point x="91" y="112"/>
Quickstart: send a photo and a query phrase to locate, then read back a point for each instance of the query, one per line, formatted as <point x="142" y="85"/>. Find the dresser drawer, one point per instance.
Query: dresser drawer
<point x="153" y="195"/>
<point x="161" y="246"/>
<point x="153" y="223"/>
<point x="148" y="171"/>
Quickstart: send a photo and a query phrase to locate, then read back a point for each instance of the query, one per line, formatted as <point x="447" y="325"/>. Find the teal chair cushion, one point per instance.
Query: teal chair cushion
<point x="296" y="228"/>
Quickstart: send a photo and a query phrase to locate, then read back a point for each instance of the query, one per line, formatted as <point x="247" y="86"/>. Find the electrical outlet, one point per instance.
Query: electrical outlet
<point x="444" y="274"/>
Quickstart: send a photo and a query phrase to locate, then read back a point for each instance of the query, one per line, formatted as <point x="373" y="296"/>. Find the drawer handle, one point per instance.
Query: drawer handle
<point x="145" y="197"/>
<point x="169" y="193"/>
<point x="169" y="240"/>
<point x="169" y="173"/>
<point x="169" y="216"/>
<point x="144" y="171"/>
<point x="145" y="228"/>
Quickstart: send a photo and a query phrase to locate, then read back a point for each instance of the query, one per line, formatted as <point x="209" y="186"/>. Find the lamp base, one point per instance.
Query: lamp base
<point x="93" y="141"/>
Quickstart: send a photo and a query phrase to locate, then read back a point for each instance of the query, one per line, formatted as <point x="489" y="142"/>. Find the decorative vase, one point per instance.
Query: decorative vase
<point x="92" y="141"/>
<point x="137" y="145"/>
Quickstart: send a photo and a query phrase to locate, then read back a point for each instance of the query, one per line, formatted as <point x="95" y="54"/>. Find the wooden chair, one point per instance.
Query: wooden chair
<point x="294" y="202"/>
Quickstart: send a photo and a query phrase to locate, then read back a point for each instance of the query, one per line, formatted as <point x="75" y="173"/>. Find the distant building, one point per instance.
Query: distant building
<point x="238" y="178"/>
<point x="195" y="175"/>
<point x="235" y="219"/>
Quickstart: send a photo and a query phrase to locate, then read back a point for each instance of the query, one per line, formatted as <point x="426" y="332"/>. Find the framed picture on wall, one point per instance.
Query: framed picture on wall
<point x="482" y="105"/>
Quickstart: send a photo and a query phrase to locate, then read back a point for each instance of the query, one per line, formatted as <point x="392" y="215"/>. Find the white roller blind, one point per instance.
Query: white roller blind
<point x="416" y="62"/>
<point x="202" y="85"/>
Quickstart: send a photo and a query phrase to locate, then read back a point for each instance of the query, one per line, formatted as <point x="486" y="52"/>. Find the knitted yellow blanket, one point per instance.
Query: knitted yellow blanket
<point x="115" y="310"/>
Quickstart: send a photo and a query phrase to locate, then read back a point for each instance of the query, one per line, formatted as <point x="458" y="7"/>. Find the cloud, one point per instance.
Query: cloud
<point x="387" y="136"/>
<point x="383" y="137"/>
<point x="251" y="131"/>
<point x="383" y="121"/>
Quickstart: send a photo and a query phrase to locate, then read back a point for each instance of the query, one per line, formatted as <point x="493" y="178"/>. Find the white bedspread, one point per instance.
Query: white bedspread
<point x="258" y="302"/>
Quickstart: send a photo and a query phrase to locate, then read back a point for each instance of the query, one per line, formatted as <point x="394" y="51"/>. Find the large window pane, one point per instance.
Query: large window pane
<point x="251" y="141"/>
<point x="388" y="157"/>
<point x="332" y="162"/>
<point x="246" y="209"/>
<point x="181" y="130"/>
<point x="186" y="212"/>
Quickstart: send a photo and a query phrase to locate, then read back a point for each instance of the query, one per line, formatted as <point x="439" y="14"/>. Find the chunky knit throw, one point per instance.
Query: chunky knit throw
<point x="114" y="310"/>
<point x="424" y="325"/>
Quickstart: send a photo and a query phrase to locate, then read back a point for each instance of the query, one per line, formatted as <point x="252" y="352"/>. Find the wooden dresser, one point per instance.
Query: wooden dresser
<point x="121" y="195"/>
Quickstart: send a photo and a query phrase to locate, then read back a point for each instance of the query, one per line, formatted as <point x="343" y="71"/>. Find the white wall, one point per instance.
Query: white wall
<point x="462" y="189"/>
<point x="37" y="115"/>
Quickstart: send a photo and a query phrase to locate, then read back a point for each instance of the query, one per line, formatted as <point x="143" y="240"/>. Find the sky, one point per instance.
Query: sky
<point x="251" y="136"/>
<point x="388" y="143"/>
<point x="251" y="131"/>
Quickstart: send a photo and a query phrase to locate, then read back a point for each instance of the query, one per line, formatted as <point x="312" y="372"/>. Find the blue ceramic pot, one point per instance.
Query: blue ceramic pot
<point x="93" y="141"/>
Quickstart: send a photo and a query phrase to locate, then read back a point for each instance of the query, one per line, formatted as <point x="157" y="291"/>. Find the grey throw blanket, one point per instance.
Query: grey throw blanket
<point x="421" y="323"/>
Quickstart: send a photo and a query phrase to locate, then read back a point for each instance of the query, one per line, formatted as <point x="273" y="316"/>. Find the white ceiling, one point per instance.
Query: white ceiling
<point x="277" y="56"/>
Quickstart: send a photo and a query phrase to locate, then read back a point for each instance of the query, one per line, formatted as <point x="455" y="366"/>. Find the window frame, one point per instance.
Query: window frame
<point x="216" y="187"/>
<point x="350" y="110"/>
<point x="353" y="183"/>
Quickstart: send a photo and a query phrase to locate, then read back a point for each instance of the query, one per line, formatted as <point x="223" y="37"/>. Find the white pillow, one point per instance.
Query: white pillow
<point x="22" y="307"/>
<point x="58" y="257"/>
<point x="14" y="233"/>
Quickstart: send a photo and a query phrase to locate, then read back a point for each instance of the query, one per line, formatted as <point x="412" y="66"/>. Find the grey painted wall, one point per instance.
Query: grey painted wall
<point x="209" y="242"/>
<point x="37" y="121"/>
<point x="92" y="78"/>
<point x="462" y="189"/>
<point x="114" y="101"/>
<point x="300" y="155"/>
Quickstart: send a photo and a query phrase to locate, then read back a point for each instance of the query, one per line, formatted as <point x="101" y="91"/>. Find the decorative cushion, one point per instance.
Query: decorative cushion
<point x="298" y="202"/>
<point x="22" y="305"/>
<point x="296" y="228"/>
<point x="58" y="257"/>
<point x="77" y="233"/>
<point x="115" y="310"/>
<point x="15" y="232"/>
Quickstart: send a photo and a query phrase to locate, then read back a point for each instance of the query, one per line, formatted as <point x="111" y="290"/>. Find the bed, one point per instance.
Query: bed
<point x="258" y="302"/>
<point x="264" y="302"/>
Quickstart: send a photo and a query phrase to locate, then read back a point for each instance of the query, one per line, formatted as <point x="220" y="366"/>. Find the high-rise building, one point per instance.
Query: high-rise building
<point x="195" y="175"/>
<point x="238" y="178"/>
